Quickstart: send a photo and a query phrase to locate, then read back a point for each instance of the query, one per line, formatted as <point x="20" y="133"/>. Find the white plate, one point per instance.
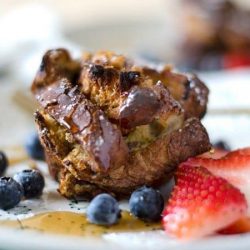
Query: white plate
<point x="222" y="123"/>
<point x="51" y="201"/>
<point x="141" y="241"/>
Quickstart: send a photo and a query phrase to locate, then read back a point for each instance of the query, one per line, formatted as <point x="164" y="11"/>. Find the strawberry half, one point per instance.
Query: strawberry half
<point x="234" y="167"/>
<point x="201" y="204"/>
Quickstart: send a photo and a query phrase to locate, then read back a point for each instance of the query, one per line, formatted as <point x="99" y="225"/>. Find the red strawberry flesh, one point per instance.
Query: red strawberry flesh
<point x="234" y="167"/>
<point x="201" y="204"/>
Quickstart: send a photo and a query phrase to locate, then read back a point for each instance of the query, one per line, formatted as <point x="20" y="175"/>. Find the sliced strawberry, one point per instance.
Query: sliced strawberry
<point x="201" y="204"/>
<point x="234" y="167"/>
<point x="241" y="151"/>
<point x="240" y="226"/>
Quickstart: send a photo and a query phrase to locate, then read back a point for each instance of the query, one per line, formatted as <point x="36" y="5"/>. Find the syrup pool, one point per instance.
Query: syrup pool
<point x="75" y="224"/>
<point x="70" y="220"/>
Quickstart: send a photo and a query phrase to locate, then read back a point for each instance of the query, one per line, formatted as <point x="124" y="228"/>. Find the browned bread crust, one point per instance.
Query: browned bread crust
<point x="107" y="126"/>
<point x="106" y="82"/>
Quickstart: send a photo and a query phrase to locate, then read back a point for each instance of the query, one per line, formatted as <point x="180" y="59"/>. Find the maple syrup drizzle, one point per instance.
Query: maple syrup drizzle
<point x="74" y="224"/>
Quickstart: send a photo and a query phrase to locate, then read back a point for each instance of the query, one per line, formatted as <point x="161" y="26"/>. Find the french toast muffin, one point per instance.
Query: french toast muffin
<point x="109" y="125"/>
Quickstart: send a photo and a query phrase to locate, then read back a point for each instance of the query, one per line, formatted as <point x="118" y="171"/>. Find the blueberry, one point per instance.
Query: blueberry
<point x="3" y="163"/>
<point x="34" y="147"/>
<point x="103" y="210"/>
<point x="32" y="182"/>
<point x="146" y="203"/>
<point x="221" y="144"/>
<point x="11" y="193"/>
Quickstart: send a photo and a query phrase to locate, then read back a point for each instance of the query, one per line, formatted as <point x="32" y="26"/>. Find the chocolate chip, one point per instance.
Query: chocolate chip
<point x="103" y="76"/>
<point x="187" y="86"/>
<point x="139" y="108"/>
<point x="96" y="71"/>
<point x="128" y="79"/>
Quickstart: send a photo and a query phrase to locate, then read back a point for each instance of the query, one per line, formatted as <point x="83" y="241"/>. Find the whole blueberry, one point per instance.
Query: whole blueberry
<point x="11" y="193"/>
<point x="32" y="182"/>
<point x="3" y="163"/>
<point x="146" y="203"/>
<point x="103" y="210"/>
<point x="221" y="144"/>
<point x="34" y="148"/>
